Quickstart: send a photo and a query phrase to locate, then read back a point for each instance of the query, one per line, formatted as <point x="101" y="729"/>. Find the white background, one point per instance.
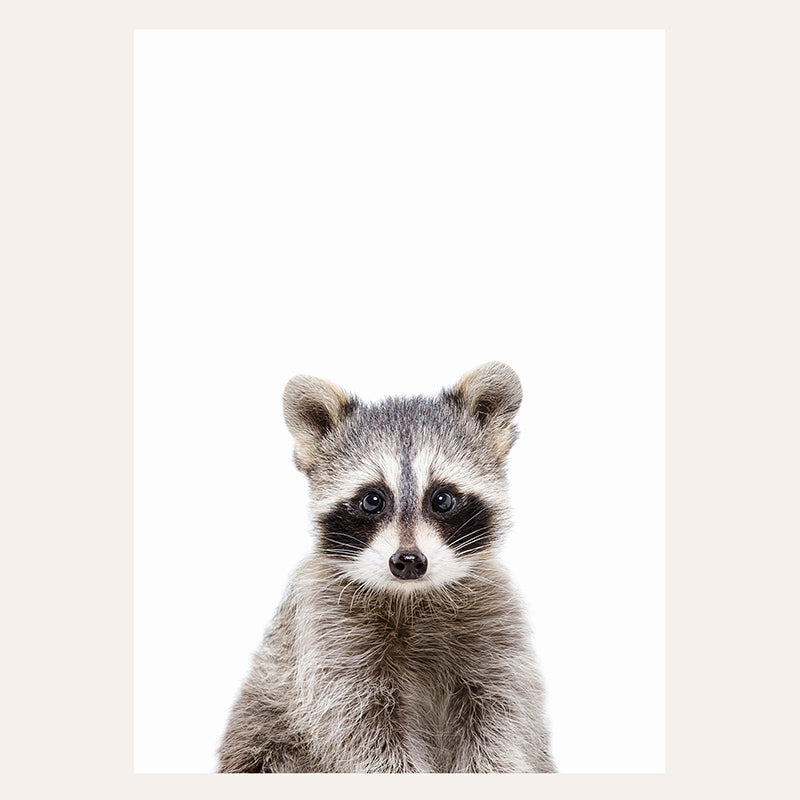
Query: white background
<point x="389" y="209"/>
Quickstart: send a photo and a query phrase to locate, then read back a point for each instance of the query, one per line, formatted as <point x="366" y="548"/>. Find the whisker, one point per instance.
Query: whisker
<point x="348" y="535"/>
<point x="344" y="588"/>
<point x="467" y="521"/>
<point x="463" y="540"/>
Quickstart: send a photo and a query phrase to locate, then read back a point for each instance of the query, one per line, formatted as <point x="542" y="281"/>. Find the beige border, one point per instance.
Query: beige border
<point x="67" y="402"/>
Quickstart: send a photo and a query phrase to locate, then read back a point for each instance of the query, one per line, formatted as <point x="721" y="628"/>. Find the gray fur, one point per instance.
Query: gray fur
<point x="363" y="673"/>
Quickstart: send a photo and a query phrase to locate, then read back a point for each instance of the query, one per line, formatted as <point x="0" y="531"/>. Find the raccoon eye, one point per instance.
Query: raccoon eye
<point x="372" y="503"/>
<point x="442" y="502"/>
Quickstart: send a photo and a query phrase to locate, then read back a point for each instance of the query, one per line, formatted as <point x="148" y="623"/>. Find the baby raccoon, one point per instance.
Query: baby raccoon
<point x="400" y="645"/>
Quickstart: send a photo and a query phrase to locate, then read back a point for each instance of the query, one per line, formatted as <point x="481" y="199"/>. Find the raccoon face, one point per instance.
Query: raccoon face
<point x="409" y="493"/>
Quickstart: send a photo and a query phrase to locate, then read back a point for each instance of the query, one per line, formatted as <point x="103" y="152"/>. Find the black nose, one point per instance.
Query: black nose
<point x="408" y="564"/>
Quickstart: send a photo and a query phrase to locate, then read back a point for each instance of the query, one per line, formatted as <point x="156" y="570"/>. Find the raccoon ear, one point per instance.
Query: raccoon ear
<point x="492" y="393"/>
<point x="311" y="408"/>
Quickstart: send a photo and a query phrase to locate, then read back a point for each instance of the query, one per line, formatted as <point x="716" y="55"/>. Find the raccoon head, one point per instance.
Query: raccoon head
<point x="408" y="493"/>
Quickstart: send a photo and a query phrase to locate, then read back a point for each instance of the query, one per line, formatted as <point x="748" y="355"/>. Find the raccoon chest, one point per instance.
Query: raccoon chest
<point x="416" y="677"/>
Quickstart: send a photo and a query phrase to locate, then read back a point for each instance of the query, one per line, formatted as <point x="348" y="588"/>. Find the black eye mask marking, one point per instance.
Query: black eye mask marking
<point x="466" y="525"/>
<point x="350" y="525"/>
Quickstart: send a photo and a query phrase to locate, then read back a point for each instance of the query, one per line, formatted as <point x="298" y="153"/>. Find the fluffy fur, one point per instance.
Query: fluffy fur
<point x="360" y="670"/>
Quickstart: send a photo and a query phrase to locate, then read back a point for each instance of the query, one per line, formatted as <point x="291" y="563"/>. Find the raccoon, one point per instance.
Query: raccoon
<point x="400" y="644"/>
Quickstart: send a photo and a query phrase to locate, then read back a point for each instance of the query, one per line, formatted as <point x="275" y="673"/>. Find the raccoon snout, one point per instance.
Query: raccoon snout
<point x="408" y="564"/>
